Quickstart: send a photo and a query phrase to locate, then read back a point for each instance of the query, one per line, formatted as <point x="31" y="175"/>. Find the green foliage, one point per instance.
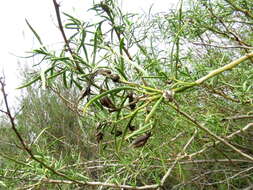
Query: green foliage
<point x="126" y="75"/>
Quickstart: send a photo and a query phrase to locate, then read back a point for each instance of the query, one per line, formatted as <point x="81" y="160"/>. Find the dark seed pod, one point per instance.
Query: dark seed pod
<point x="105" y="7"/>
<point x="115" y="78"/>
<point x="141" y="141"/>
<point x="85" y="92"/>
<point x="113" y="110"/>
<point x="131" y="127"/>
<point x="106" y="102"/>
<point x="105" y="72"/>
<point x="130" y="96"/>
<point x="99" y="136"/>
<point x="169" y="81"/>
<point x="118" y="133"/>
<point x="132" y="104"/>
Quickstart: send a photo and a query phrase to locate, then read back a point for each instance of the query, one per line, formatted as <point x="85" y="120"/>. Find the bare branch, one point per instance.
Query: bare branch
<point x="58" y="15"/>
<point x="222" y="140"/>
<point x="21" y="140"/>
<point x="178" y="158"/>
<point x="225" y="47"/>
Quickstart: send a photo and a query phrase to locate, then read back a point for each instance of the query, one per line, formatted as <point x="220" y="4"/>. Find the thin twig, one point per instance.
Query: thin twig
<point x="58" y="15"/>
<point x="218" y="46"/>
<point x="67" y="102"/>
<point x="215" y="143"/>
<point x="53" y="181"/>
<point x="231" y="177"/>
<point x="3" y="112"/>
<point x="220" y="93"/>
<point x="240" y="130"/>
<point x="21" y="140"/>
<point x="215" y="161"/>
<point x="238" y="117"/>
<point x="236" y="7"/>
<point x="222" y="140"/>
<point x="178" y="158"/>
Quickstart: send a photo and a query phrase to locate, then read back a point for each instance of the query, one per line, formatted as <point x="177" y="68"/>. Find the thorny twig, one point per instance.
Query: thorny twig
<point x="220" y="93"/>
<point x="178" y="158"/>
<point x="20" y="138"/>
<point x="216" y="142"/>
<point x="220" y="139"/>
<point x="68" y="180"/>
<point x="231" y="177"/>
<point x="53" y="181"/>
<point x="218" y="46"/>
<point x="238" y="117"/>
<point x="71" y="105"/>
<point x="234" y="36"/>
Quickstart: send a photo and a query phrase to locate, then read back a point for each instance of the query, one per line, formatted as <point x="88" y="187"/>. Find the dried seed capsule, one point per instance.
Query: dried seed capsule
<point x="99" y="136"/>
<point x="85" y="92"/>
<point x="131" y="127"/>
<point x="106" y="102"/>
<point x="105" y="72"/>
<point x="115" y="78"/>
<point x="141" y="141"/>
<point x="130" y="96"/>
<point x="132" y="104"/>
<point x="118" y="133"/>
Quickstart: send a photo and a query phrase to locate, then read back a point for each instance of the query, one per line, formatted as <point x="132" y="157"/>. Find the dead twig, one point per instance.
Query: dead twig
<point x="22" y="141"/>
<point x="218" y="138"/>
<point x="209" y="145"/>
<point x="178" y="158"/>
<point x="218" y="46"/>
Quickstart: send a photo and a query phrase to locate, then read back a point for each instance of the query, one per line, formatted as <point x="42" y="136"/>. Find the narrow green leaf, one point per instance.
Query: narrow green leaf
<point x="140" y="131"/>
<point x="244" y="86"/>
<point x="153" y="109"/>
<point x="29" y="83"/>
<point x="3" y="184"/>
<point x="104" y="94"/>
<point x="77" y="84"/>
<point x="43" y="79"/>
<point x="73" y="19"/>
<point x="40" y="135"/>
<point x="34" y="32"/>
<point x="125" y="129"/>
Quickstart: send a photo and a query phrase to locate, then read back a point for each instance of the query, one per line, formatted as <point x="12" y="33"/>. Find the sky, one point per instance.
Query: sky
<point x="17" y="39"/>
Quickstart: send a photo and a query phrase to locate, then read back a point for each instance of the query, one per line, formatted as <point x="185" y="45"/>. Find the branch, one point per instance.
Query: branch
<point x="58" y="15"/>
<point x="53" y="181"/>
<point x="226" y="47"/>
<point x="216" y="143"/>
<point x="238" y="117"/>
<point x="224" y="68"/>
<point x="222" y="140"/>
<point x="178" y="158"/>
<point x="246" y="12"/>
<point x="222" y="94"/>
<point x="214" y="73"/>
<point x="21" y="140"/>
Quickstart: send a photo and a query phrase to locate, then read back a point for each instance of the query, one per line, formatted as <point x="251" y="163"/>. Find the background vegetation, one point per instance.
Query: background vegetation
<point x="184" y="76"/>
